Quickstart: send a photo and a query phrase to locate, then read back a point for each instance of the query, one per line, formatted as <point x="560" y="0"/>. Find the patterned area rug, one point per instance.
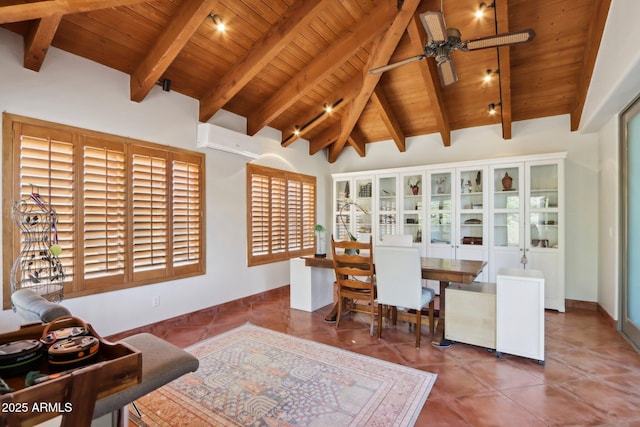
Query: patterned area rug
<point x="251" y="376"/>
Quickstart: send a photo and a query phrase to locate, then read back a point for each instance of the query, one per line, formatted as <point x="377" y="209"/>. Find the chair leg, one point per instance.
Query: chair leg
<point x="432" y="323"/>
<point x="340" y="302"/>
<point x="379" y="321"/>
<point x="418" y="326"/>
<point x="373" y="317"/>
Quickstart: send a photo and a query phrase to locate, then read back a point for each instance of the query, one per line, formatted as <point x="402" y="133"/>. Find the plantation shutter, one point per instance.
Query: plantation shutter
<point x="46" y="167"/>
<point x="127" y="212"/>
<point x="150" y="212"/>
<point x="280" y="214"/>
<point x="259" y="215"/>
<point x="187" y="212"/>
<point x="294" y="202"/>
<point x="104" y="191"/>
<point x="308" y="214"/>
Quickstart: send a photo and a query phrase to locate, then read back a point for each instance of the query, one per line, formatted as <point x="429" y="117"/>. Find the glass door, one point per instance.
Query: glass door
<point x="341" y="209"/>
<point x="387" y="206"/>
<point x="630" y="319"/>
<point x="506" y="226"/>
<point x="441" y="214"/>
<point x="471" y="208"/>
<point x="363" y="208"/>
<point x="412" y="207"/>
<point x="544" y="229"/>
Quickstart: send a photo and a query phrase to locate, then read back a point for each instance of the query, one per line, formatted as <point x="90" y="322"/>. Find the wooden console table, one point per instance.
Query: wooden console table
<point x="118" y="366"/>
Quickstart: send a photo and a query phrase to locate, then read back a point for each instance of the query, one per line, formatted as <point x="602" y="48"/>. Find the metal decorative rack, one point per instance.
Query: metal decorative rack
<point x="37" y="267"/>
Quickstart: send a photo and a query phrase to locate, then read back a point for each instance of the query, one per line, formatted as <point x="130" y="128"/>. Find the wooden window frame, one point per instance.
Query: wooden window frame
<point x="190" y="238"/>
<point x="284" y="231"/>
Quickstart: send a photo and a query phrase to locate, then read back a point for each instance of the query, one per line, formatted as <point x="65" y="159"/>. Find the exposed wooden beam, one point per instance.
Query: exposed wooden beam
<point x="504" y="67"/>
<point x="322" y="66"/>
<point x="325" y="139"/>
<point x="311" y="121"/>
<point x="348" y="91"/>
<point x="183" y="25"/>
<point x="389" y="118"/>
<point x="297" y="17"/>
<point x="431" y="81"/>
<point x="380" y="54"/>
<point x="357" y="142"/>
<point x="38" y="40"/>
<point x="49" y="8"/>
<point x="596" y="28"/>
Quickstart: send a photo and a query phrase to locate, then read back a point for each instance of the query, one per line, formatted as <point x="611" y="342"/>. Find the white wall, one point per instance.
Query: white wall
<point x="529" y="137"/>
<point x="615" y="83"/>
<point x="74" y="91"/>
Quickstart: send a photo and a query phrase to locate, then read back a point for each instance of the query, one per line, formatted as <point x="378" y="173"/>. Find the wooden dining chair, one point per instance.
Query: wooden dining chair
<point x="399" y="284"/>
<point x="353" y="265"/>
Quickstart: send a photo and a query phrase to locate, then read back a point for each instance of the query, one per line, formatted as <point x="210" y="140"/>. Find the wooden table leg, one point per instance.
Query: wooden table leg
<point x="438" y="339"/>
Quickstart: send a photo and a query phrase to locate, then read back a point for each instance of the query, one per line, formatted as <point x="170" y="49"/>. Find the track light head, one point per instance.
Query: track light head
<point x="217" y="20"/>
<point x="492" y="108"/>
<point x="482" y="7"/>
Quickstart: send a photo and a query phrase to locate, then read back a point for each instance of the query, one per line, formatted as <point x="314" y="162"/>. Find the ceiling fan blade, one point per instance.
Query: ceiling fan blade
<point x="396" y="64"/>
<point x="501" y="40"/>
<point x="433" y="23"/>
<point x="447" y="71"/>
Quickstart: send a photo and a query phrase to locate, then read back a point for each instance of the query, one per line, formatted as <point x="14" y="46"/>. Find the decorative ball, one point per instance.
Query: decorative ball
<point x="55" y="250"/>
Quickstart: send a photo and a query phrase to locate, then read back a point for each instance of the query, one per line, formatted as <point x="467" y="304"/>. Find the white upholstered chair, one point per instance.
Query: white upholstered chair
<point x="397" y="240"/>
<point x="399" y="284"/>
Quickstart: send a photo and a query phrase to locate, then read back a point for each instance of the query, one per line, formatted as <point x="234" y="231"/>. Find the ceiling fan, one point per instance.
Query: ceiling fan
<point x="443" y="41"/>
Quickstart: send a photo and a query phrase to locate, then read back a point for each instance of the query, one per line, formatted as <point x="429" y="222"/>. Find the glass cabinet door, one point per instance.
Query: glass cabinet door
<point x="471" y="207"/>
<point x="441" y="208"/>
<point x="342" y="214"/>
<point x="543" y="206"/>
<point x="507" y="209"/>
<point x="412" y="199"/>
<point x="363" y="208"/>
<point x="387" y="206"/>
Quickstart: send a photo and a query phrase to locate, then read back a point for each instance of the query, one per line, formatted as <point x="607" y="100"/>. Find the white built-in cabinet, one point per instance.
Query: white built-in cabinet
<point x="458" y="214"/>
<point x="464" y="210"/>
<point x="527" y="222"/>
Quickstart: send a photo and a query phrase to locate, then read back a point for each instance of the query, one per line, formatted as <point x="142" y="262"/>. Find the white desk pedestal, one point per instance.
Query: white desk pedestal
<point x="311" y="287"/>
<point x="520" y="313"/>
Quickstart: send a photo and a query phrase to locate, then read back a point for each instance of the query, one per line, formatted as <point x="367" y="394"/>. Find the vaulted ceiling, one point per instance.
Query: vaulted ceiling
<point x="280" y="62"/>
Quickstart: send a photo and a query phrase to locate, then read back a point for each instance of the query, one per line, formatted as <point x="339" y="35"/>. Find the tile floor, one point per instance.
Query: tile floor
<point x="591" y="375"/>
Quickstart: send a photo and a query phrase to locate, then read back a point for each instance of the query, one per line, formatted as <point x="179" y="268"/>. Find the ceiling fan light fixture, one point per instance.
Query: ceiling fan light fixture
<point x="217" y="20"/>
<point x="492" y="108"/>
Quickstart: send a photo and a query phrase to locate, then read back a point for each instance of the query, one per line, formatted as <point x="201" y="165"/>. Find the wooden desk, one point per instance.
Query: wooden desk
<point x="443" y="270"/>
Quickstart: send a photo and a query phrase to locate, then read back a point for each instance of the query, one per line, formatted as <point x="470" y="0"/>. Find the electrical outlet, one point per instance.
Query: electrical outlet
<point x="155" y="301"/>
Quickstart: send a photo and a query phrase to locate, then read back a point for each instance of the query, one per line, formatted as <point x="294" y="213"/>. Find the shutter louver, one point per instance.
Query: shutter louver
<point x="186" y="207"/>
<point x="278" y="215"/>
<point x="149" y="182"/>
<point x="259" y="219"/>
<point x="294" y="208"/>
<point x="46" y="167"/>
<point x="104" y="189"/>
<point x="308" y="215"/>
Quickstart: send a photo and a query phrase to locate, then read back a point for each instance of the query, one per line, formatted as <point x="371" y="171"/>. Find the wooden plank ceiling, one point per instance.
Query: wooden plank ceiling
<point x="280" y="62"/>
